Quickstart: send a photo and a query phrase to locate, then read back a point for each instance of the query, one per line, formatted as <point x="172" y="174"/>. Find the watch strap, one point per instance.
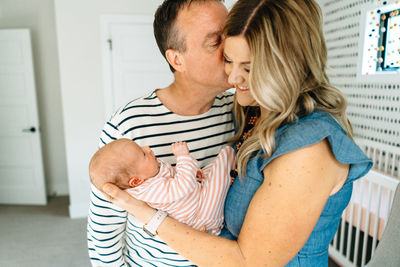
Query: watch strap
<point x="151" y="227"/>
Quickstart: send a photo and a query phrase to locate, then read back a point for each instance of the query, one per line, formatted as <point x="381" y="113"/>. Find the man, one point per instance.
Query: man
<point x="192" y="109"/>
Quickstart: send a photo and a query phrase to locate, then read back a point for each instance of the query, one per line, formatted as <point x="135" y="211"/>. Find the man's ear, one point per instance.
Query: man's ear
<point x="175" y="59"/>
<point x="135" y="181"/>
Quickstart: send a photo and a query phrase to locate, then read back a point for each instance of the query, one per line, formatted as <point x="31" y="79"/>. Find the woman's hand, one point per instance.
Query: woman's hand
<point x="125" y="201"/>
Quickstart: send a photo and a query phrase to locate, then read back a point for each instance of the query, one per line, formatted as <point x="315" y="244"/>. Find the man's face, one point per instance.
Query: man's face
<point x="201" y="25"/>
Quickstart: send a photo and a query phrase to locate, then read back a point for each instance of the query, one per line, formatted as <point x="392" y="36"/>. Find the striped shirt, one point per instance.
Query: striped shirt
<point x="176" y="191"/>
<point x="116" y="238"/>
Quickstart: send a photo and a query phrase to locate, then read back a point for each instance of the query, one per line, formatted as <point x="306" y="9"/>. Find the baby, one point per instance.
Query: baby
<point x="187" y="193"/>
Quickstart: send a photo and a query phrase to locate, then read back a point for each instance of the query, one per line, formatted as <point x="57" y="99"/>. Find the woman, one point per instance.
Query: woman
<point x="296" y="158"/>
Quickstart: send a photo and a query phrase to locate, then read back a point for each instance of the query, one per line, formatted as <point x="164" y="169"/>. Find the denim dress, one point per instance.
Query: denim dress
<point x="305" y="131"/>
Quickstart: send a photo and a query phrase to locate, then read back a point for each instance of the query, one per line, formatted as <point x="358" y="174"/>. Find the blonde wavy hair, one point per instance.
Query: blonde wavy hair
<point x="288" y="69"/>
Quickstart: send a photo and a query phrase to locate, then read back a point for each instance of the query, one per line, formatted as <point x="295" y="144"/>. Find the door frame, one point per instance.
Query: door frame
<point x="106" y="22"/>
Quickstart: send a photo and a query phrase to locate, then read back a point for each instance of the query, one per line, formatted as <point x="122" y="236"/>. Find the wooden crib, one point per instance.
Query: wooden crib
<point x="365" y="217"/>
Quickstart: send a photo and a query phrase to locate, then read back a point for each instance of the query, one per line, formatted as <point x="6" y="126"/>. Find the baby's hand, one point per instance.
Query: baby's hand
<point x="180" y="149"/>
<point x="199" y="176"/>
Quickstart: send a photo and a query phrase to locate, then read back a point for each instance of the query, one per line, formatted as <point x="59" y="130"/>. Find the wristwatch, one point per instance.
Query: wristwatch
<point x="151" y="227"/>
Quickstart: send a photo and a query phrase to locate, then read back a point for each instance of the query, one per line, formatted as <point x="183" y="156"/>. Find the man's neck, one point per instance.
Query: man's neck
<point x="184" y="99"/>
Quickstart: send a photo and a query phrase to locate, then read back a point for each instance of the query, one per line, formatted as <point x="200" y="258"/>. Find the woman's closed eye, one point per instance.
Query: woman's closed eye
<point x="226" y="60"/>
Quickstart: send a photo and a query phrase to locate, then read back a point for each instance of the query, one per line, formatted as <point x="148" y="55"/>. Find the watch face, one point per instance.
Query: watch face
<point x="148" y="232"/>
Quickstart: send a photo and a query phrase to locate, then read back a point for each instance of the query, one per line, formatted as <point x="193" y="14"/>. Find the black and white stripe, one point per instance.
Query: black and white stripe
<point x="149" y="123"/>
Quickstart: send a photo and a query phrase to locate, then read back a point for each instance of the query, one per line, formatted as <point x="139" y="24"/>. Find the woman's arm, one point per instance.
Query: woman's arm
<point x="278" y="222"/>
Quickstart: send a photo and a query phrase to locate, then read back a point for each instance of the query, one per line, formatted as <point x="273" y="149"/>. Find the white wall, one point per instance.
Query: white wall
<point x="38" y="16"/>
<point x="78" y="34"/>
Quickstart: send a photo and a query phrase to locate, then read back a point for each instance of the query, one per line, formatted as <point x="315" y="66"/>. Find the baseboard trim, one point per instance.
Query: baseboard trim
<point x="58" y="190"/>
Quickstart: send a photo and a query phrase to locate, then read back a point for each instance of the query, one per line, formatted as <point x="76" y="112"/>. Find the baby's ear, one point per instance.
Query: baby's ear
<point x="135" y="181"/>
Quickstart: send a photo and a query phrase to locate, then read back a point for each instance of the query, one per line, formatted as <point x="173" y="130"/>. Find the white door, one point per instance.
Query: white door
<point x="134" y="65"/>
<point x="21" y="165"/>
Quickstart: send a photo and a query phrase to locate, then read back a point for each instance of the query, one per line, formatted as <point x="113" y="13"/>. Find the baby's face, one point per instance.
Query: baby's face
<point x="146" y="164"/>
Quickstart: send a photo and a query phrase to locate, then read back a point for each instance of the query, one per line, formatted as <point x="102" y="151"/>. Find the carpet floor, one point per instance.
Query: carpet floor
<point x="42" y="236"/>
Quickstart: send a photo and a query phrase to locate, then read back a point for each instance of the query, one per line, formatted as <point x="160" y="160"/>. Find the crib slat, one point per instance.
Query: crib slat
<point x="398" y="166"/>
<point x="358" y="225"/>
<point x="373" y="156"/>
<point x="335" y="240"/>
<point x="366" y="225"/>
<point x="389" y="205"/>
<point x="376" y="221"/>
<point x="387" y="163"/>
<point x="341" y="245"/>
<point x="350" y="231"/>
<point x="393" y="165"/>
<point x="380" y="158"/>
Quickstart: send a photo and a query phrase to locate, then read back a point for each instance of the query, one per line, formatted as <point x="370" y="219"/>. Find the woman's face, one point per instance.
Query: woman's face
<point x="237" y="67"/>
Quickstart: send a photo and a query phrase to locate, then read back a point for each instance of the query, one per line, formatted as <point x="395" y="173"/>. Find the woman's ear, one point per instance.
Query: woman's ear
<point x="135" y="181"/>
<point x="175" y="59"/>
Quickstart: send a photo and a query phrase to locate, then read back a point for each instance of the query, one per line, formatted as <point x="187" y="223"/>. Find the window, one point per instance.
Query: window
<point x="380" y="43"/>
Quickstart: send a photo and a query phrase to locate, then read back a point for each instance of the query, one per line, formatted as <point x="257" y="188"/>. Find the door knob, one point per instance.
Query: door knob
<point x="27" y="130"/>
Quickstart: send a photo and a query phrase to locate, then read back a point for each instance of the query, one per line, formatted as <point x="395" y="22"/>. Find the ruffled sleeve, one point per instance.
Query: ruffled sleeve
<point x="312" y="129"/>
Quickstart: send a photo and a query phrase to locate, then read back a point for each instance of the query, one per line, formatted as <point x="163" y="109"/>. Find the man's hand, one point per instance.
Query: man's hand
<point x="180" y="149"/>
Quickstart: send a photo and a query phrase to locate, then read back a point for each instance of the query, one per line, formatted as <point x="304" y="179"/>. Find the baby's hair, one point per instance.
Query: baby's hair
<point x="107" y="166"/>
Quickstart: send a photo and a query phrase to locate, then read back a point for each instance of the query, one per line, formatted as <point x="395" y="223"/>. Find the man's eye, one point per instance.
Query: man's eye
<point x="216" y="42"/>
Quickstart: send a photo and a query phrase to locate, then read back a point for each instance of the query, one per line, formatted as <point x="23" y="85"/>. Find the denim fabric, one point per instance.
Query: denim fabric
<point x="306" y="131"/>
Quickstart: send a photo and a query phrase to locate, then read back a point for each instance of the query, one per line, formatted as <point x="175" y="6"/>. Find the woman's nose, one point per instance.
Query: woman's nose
<point x="235" y="77"/>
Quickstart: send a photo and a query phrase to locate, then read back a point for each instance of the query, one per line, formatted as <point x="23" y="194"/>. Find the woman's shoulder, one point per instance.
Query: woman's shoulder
<point x="312" y="129"/>
<point x="307" y="130"/>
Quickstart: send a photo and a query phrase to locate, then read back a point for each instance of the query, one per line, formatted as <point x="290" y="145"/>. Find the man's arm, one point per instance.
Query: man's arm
<point x="105" y="231"/>
<point x="106" y="222"/>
